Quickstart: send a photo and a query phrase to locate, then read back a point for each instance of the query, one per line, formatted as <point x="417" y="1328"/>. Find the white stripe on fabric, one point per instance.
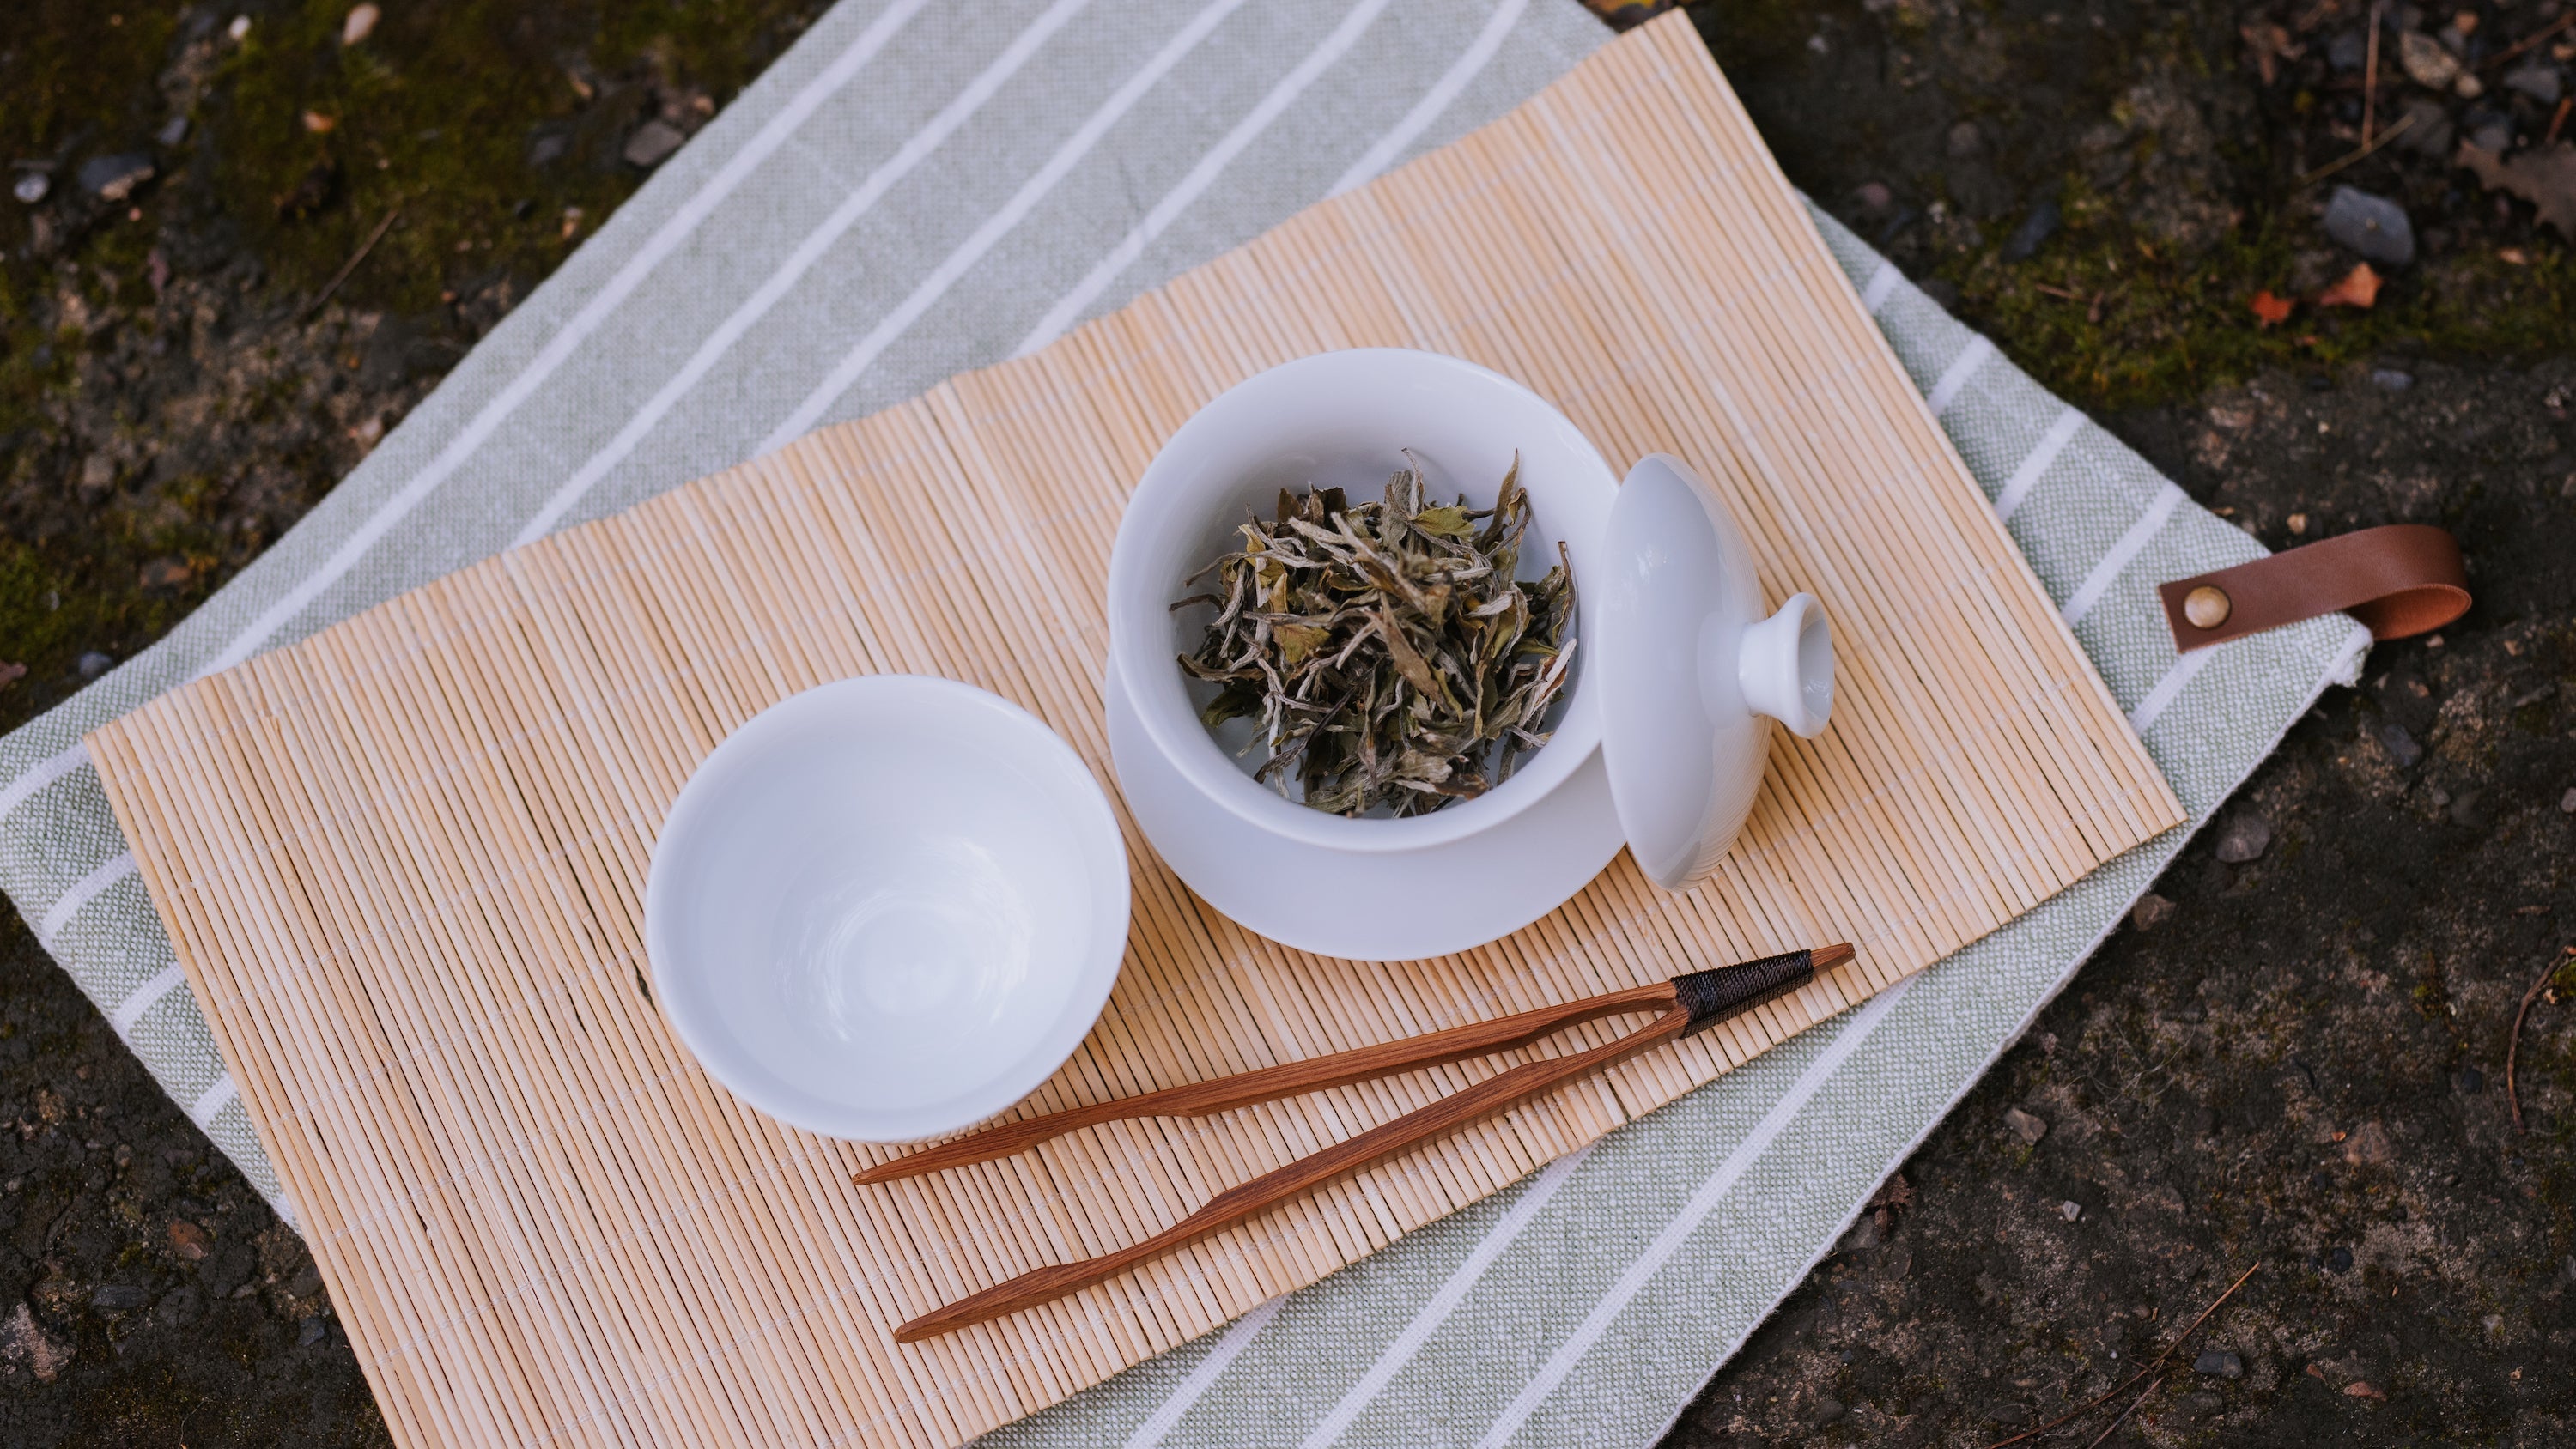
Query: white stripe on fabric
<point x="1445" y="1302"/>
<point x="1436" y="100"/>
<point x="1200" y="177"/>
<point x="559" y="348"/>
<point x="2123" y="552"/>
<point x="1245" y="1330"/>
<point x="2026" y="477"/>
<point x="138" y="1001"/>
<point x="46" y="772"/>
<point x="1693" y="1213"/>
<point x="1961" y="368"/>
<point x="1882" y="285"/>
<point x="80" y="893"/>
<point x="214" y="1099"/>
<point x="2168" y="689"/>
<point x="996" y="226"/>
<point x="819" y="241"/>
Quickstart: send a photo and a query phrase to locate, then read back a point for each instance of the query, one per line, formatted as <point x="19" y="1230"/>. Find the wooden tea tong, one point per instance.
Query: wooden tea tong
<point x="1686" y="1004"/>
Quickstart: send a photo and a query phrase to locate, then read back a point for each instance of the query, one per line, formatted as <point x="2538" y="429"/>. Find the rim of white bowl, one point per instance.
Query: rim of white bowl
<point x="1162" y="705"/>
<point x="715" y="1049"/>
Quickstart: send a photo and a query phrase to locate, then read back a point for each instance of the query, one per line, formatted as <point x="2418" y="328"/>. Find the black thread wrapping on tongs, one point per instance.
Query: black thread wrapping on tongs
<point x="1712" y="996"/>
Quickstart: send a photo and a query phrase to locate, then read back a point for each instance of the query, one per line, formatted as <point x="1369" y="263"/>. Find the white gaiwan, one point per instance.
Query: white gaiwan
<point x="1659" y="742"/>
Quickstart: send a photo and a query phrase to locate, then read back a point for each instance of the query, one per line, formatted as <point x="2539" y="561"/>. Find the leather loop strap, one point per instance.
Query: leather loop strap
<point x="2398" y="580"/>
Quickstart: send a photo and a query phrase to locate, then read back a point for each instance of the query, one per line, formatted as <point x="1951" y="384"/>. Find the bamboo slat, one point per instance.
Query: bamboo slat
<point x="402" y="861"/>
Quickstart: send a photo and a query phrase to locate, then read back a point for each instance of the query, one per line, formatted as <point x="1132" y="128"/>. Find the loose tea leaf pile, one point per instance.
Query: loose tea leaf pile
<point x="1386" y="650"/>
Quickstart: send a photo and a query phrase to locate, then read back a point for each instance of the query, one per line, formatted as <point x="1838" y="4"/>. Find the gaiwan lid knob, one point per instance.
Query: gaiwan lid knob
<point x="1689" y="671"/>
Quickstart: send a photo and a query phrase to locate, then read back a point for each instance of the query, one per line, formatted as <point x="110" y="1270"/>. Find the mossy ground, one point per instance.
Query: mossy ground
<point x="494" y="129"/>
<point x="2113" y="311"/>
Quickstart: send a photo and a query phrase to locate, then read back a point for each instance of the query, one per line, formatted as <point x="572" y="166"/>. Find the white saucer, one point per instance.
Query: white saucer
<point x="1372" y="905"/>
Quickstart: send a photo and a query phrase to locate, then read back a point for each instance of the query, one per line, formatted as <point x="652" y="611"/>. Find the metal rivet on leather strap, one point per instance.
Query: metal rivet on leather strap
<point x="2207" y="607"/>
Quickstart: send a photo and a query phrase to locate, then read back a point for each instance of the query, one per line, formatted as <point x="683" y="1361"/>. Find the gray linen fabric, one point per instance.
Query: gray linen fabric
<point x="901" y="197"/>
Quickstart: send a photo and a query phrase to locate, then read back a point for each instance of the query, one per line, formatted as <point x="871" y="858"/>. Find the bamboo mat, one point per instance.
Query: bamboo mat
<point x="403" y="861"/>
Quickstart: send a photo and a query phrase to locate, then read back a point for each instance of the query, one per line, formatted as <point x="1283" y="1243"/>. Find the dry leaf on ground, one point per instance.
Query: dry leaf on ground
<point x="2359" y="288"/>
<point x="167" y="573"/>
<point x="2545" y="178"/>
<point x="2270" y="309"/>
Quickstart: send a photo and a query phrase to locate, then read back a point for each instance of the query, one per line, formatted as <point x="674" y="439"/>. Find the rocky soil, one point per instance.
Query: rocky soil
<point x="2292" y="1061"/>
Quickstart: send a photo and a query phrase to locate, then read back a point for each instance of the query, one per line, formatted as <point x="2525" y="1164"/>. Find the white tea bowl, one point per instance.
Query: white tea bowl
<point x="887" y="908"/>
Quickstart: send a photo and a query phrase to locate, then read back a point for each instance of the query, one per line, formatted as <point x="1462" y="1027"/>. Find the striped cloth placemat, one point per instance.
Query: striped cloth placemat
<point x="937" y="194"/>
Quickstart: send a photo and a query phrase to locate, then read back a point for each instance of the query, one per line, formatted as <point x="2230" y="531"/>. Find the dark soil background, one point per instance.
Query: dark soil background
<point x="2293" y="1061"/>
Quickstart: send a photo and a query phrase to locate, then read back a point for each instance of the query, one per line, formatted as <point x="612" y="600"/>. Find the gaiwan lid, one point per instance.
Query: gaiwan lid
<point x="1689" y="671"/>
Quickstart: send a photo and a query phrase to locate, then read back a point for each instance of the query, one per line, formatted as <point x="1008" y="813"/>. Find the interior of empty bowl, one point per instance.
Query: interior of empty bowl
<point x="1343" y="420"/>
<point x="887" y="909"/>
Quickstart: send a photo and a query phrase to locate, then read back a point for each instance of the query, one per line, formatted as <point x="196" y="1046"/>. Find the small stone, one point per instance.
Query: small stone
<point x="2035" y="229"/>
<point x="652" y="143"/>
<point x="2349" y="51"/>
<point x="2219" y="1363"/>
<point x="2536" y="80"/>
<point x="172" y="132"/>
<point x="187" y="1240"/>
<point x="310" y="1332"/>
<point x="547" y="149"/>
<point x="31" y="187"/>
<point x="239" y="30"/>
<point x="1827" y="1410"/>
<point x="2567" y="802"/>
<point x="2426" y="61"/>
<point x="2468" y="87"/>
<point x="2359" y="1389"/>
<point x="2246" y="838"/>
<point x="24" y="1341"/>
<point x="2025" y="1125"/>
<point x="118" y="1297"/>
<point x="2201" y="1405"/>
<point x="2368" y="1146"/>
<point x="1965" y="140"/>
<point x="2389" y="379"/>
<point x="113" y="178"/>
<point x="2491" y="133"/>
<point x="2151" y="911"/>
<point x="2372" y="226"/>
<point x="2400" y="745"/>
<point x="1874" y="197"/>
<point x="2070" y="1210"/>
<point x="305" y="1281"/>
<point x="2472" y="1081"/>
<point x="1864" y="1235"/>
<point x="360" y="24"/>
<point x="2429" y="131"/>
<point x="2339" y="1261"/>
<point x="93" y="664"/>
